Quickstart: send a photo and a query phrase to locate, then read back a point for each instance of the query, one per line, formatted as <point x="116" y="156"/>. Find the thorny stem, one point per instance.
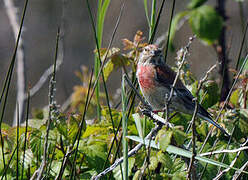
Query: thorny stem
<point x="185" y="52"/>
<point x="192" y="169"/>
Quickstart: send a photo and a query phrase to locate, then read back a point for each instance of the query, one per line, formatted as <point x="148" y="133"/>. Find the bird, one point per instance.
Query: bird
<point x="156" y="80"/>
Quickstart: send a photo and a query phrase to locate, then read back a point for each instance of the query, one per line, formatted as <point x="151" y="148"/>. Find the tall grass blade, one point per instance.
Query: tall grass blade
<point x="81" y="127"/>
<point x="156" y="23"/>
<point x="25" y="136"/>
<point x="17" y="141"/>
<point x="169" y="31"/>
<point x="5" y="90"/>
<point x="101" y="12"/>
<point x="52" y="108"/>
<point x="181" y="152"/>
<point x="105" y="88"/>
<point x="241" y="47"/>
<point x="124" y="128"/>
<point x="146" y="11"/>
<point x="8" y="165"/>
<point x="152" y="20"/>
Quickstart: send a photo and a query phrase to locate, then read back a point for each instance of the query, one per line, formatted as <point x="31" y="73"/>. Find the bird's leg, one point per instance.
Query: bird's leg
<point x="146" y="108"/>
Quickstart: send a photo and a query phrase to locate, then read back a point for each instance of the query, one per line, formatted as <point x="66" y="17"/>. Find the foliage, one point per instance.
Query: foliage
<point x="164" y="157"/>
<point x="97" y="138"/>
<point x="204" y="21"/>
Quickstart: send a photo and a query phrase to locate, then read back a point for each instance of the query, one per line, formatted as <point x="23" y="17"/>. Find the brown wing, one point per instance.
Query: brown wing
<point x="166" y="76"/>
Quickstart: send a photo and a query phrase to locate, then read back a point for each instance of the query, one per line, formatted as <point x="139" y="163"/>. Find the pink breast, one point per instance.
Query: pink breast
<point x="146" y="76"/>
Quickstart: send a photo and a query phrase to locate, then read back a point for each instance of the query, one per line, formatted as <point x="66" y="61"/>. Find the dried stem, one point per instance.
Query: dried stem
<point x="232" y="163"/>
<point x="192" y="169"/>
<point x="11" y="12"/>
<point x="224" y="151"/>
<point x="238" y="173"/>
<point x="185" y="52"/>
<point x="130" y="153"/>
<point x="227" y="98"/>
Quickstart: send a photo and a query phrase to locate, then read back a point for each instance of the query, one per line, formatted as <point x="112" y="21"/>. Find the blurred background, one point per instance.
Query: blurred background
<point x="43" y="17"/>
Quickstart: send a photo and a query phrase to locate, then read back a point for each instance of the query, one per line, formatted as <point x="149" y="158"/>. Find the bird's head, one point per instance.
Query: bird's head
<point x="150" y="54"/>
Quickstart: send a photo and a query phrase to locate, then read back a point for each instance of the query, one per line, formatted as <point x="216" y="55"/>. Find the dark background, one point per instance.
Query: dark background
<point x="44" y="16"/>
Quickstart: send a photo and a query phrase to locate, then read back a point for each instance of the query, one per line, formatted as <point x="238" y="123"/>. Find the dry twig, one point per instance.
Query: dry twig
<point x="130" y="153"/>
<point x="232" y="163"/>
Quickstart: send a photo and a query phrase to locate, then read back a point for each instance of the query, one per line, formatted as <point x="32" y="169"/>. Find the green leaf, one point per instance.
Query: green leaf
<point x="88" y="174"/>
<point x="243" y="121"/>
<point x="116" y="115"/>
<point x="165" y="159"/>
<point x="101" y="12"/>
<point x="206" y="23"/>
<point x="179" y="136"/>
<point x="179" y="176"/>
<point x="241" y="61"/>
<point x="146" y="11"/>
<point x="210" y="94"/>
<point x="137" y="120"/>
<point x="165" y="140"/>
<point x="116" y="60"/>
<point x="153" y="162"/>
<point x="234" y="99"/>
<point x="181" y="152"/>
<point x="95" y="154"/>
<point x="195" y="3"/>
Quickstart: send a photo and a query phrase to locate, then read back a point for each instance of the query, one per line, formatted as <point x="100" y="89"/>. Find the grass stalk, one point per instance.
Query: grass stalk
<point x="25" y="136"/>
<point x="169" y="31"/>
<point x="52" y="109"/>
<point x="81" y="127"/>
<point x="124" y="128"/>
<point x="17" y="141"/>
<point x="154" y="29"/>
<point x="5" y="90"/>
<point x="101" y="12"/>
<point x="153" y="17"/>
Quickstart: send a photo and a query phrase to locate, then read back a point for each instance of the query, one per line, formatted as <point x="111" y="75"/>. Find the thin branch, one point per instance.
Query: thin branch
<point x="79" y="132"/>
<point x="224" y="151"/>
<point x="60" y="59"/>
<point x="7" y="81"/>
<point x="232" y="163"/>
<point x="221" y="52"/>
<point x="65" y="161"/>
<point x="192" y="168"/>
<point x="130" y="153"/>
<point x="109" y="45"/>
<point x="227" y="98"/>
<point x="185" y="52"/>
<point x="45" y="76"/>
<point x="238" y="173"/>
<point x="52" y="111"/>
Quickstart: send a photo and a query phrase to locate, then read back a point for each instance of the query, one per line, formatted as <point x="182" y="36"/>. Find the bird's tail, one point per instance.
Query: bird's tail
<point x="209" y="119"/>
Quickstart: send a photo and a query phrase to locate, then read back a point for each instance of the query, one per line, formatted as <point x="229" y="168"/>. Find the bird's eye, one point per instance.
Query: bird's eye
<point x="146" y="50"/>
